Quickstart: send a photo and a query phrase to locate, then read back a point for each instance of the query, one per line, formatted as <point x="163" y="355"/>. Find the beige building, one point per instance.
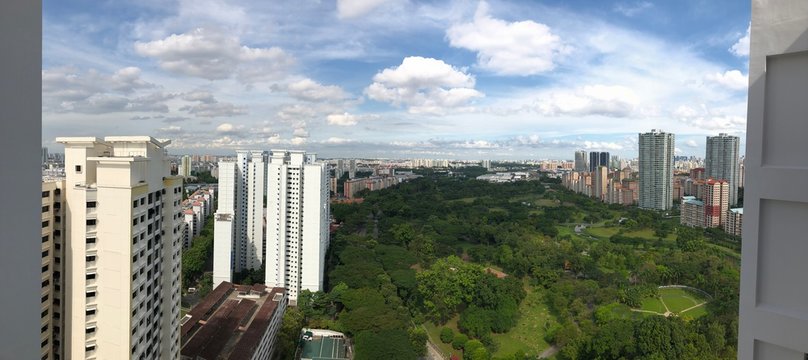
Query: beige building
<point x="121" y="289"/>
<point x="52" y="323"/>
<point x="692" y="212"/>
<point x="734" y="221"/>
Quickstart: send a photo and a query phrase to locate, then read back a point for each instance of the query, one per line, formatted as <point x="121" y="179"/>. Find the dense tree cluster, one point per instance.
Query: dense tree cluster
<point x="198" y="259"/>
<point x="414" y="252"/>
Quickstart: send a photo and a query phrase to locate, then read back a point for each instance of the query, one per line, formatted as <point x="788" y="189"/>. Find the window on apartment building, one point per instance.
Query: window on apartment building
<point x="45" y="253"/>
<point x="91" y="240"/>
<point x="89" y="348"/>
<point x="89" y="312"/>
<point x="45" y="194"/>
<point x="90" y="330"/>
<point x="45" y="238"/>
<point x="45" y="208"/>
<point x="90" y="276"/>
<point x="90" y="258"/>
<point x="44" y="313"/>
<point x="58" y="219"/>
<point x="90" y="294"/>
<point x="91" y="204"/>
<point x="91" y="221"/>
<point x="43" y="329"/>
<point x="44" y="298"/>
<point x="78" y="168"/>
<point x="45" y="268"/>
<point x="45" y="223"/>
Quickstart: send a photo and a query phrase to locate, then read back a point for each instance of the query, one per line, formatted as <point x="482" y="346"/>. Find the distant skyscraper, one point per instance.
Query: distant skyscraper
<point x="656" y="170"/>
<point x="580" y="161"/>
<point x="721" y="162"/>
<point x="352" y="168"/>
<point x="44" y="155"/>
<point x="185" y="166"/>
<point x="598" y="159"/>
<point x="121" y="250"/>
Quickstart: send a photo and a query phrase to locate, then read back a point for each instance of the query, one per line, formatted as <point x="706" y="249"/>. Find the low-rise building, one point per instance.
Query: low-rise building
<point x="237" y="322"/>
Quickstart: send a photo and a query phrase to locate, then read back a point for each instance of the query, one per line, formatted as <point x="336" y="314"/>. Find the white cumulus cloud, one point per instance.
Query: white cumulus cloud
<point x="345" y="119"/>
<point x="310" y="90"/>
<point x="692" y="143"/>
<point x="347" y="9"/>
<point x="213" y="55"/>
<point x="606" y="100"/>
<point x="424" y="85"/>
<point x="732" y="79"/>
<point x="741" y="47"/>
<point x="508" y="48"/>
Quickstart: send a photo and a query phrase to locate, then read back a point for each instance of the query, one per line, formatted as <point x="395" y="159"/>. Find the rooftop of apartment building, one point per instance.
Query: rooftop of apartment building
<point x="229" y="322"/>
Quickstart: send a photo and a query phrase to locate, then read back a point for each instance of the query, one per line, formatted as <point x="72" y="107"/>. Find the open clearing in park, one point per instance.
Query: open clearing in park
<point x="682" y="302"/>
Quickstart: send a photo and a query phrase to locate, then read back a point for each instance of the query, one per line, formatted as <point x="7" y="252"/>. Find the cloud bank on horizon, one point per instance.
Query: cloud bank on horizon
<point x="497" y="79"/>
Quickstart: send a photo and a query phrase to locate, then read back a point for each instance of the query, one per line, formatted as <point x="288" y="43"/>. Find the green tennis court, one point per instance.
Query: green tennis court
<point x="324" y="348"/>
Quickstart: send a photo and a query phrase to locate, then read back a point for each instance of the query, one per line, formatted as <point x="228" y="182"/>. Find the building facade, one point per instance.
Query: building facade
<point x="734" y="221"/>
<point x="656" y="170"/>
<point x="580" y="161"/>
<point x="297" y="221"/>
<point x="52" y="298"/>
<point x="121" y="252"/>
<point x="287" y="232"/>
<point x="721" y="162"/>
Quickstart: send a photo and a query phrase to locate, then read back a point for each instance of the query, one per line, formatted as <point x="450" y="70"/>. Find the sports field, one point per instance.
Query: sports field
<point x="324" y="348"/>
<point x="680" y="302"/>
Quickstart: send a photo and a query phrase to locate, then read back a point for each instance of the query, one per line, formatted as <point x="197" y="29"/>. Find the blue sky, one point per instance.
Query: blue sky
<point x="397" y="78"/>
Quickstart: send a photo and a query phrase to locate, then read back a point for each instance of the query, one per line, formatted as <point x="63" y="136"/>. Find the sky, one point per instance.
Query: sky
<point x="397" y="78"/>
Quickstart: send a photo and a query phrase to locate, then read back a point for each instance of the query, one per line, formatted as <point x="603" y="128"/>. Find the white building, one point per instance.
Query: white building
<point x="291" y="237"/>
<point x="656" y="170"/>
<point x="297" y="221"/>
<point x="185" y="166"/>
<point x="581" y="163"/>
<point x="721" y="162"/>
<point x="122" y="249"/>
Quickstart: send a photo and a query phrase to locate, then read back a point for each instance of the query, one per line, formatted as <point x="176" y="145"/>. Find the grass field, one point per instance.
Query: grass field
<point x="680" y="302"/>
<point x="434" y="335"/>
<point x="528" y="334"/>
<point x="605" y="233"/>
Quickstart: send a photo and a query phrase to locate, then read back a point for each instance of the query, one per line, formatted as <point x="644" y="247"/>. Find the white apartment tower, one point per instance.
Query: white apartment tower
<point x="239" y="222"/>
<point x="121" y="252"/>
<point x="297" y="221"/>
<point x="185" y="166"/>
<point x="656" y="170"/>
<point x="721" y="162"/>
<point x="225" y="224"/>
<point x="288" y="233"/>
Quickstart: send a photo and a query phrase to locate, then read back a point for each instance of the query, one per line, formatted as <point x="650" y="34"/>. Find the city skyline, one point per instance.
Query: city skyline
<point x="345" y="79"/>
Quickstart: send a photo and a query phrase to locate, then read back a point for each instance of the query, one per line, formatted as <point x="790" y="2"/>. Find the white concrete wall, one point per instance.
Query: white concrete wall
<point x="774" y="293"/>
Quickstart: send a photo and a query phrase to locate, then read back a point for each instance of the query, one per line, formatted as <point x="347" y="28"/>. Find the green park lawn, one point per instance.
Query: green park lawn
<point x="434" y="335"/>
<point x="686" y="304"/>
<point x="528" y="334"/>
<point x="653" y="304"/>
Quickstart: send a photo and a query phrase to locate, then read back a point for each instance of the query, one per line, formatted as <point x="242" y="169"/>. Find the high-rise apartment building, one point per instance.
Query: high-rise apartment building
<point x="601" y="177"/>
<point x="580" y="161"/>
<point x="239" y="240"/>
<point x="598" y="159"/>
<point x="656" y="170"/>
<point x="120" y="288"/>
<point x="297" y="221"/>
<point x="52" y="298"/>
<point x="44" y="155"/>
<point x="289" y="238"/>
<point x="716" y="203"/>
<point x="721" y="162"/>
<point x="185" y="166"/>
<point x="351" y="168"/>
